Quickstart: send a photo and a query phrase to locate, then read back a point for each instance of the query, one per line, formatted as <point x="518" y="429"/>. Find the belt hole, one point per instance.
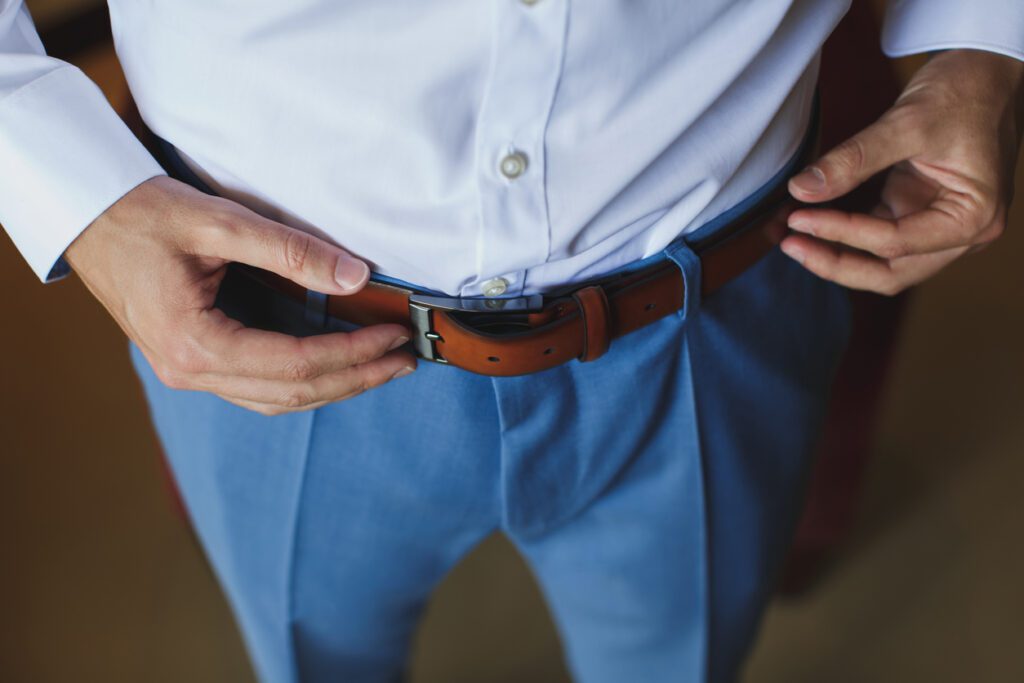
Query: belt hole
<point x="649" y="307"/>
<point x="548" y="351"/>
<point x="493" y="359"/>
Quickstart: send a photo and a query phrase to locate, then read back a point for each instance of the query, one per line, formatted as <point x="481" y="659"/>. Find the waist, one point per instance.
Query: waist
<point x="505" y="336"/>
<point x="621" y="262"/>
<point x="561" y="221"/>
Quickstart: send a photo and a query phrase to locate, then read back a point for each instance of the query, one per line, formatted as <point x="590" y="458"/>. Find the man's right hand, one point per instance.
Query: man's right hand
<point x="155" y="259"/>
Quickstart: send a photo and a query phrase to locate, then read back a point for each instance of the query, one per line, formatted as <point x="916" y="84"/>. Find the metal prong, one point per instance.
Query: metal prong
<point x="420" y="321"/>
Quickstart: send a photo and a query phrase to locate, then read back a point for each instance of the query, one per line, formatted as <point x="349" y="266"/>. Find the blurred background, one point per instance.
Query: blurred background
<point x="909" y="566"/>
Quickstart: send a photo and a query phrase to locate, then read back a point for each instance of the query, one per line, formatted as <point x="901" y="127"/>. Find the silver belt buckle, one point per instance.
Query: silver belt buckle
<point x="421" y="316"/>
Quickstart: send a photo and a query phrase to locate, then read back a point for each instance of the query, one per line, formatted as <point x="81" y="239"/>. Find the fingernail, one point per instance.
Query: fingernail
<point x="811" y="180"/>
<point x="407" y="370"/>
<point x="350" y="272"/>
<point x="398" y="342"/>
<point x="794" y="252"/>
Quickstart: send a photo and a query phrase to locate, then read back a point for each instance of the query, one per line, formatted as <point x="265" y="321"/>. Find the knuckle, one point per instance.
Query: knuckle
<point x="221" y="228"/>
<point x="850" y="155"/>
<point x="360" y="384"/>
<point x="299" y="369"/>
<point x="367" y="382"/>
<point x="296" y="398"/>
<point x="348" y="349"/>
<point x="354" y="391"/>
<point x="184" y="359"/>
<point x="168" y="377"/>
<point x="359" y="353"/>
<point x="894" y="249"/>
<point x="296" y="249"/>
<point x="356" y="348"/>
<point x="908" y="120"/>
<point x="974" y="211"/>
<point x="226" y="223"/>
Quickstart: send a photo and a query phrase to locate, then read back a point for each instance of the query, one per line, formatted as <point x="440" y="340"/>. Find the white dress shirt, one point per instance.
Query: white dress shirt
<point x="470" y="146"/>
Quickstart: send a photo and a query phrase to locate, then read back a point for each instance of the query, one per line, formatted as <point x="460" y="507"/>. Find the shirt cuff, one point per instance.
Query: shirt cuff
<point x="67" y="157"/>
<point x="914" y="26"/>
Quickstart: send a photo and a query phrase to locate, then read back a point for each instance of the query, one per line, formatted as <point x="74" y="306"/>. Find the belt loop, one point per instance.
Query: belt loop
<point x="689" y="263"/>
<point x="594" y="309"/>
<point x="316" y="309"/>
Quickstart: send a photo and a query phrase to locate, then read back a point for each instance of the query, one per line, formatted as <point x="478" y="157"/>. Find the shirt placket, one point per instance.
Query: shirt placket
<point x="529" y="42"/>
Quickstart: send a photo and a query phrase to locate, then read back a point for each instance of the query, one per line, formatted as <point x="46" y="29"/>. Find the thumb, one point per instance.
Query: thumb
<point x="293" y="254"/>
<point x="850" y="164"/>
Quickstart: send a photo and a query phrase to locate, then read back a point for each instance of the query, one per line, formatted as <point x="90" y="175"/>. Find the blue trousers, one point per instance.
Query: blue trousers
<point x="652" y="492"/>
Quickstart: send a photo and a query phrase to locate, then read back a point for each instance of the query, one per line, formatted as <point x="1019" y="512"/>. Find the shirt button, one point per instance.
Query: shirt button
<point x="529" y="2"/>
<point x="495" y="287"/>
<point x="514" y="165"/>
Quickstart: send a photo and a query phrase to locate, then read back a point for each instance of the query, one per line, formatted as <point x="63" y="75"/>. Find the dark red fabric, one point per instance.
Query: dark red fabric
<point x="858" y="83"/>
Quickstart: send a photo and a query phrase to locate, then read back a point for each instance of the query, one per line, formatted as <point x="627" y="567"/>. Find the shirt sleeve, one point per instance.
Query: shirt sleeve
<point x="914" y="26"/>
<point x="65" y="155"/>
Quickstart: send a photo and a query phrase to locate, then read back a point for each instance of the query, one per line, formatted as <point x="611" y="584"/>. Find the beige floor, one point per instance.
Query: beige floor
<point x="100" y="581"/>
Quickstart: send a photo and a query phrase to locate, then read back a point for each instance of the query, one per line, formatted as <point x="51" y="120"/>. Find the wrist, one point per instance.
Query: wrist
<point x="130" y="209"/>
<point x="973" y="84"/>
<point x="995" y="72"/>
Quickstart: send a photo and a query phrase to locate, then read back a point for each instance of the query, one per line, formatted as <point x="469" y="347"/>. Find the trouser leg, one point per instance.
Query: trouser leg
<point x="664" y="576"/>
<point x="328" y="529"/>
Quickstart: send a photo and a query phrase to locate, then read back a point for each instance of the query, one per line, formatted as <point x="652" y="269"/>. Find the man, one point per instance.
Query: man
<point x="488" y="152"/>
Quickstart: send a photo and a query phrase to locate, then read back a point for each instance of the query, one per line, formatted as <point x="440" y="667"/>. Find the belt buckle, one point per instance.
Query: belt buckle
<point x="421" y="316"/>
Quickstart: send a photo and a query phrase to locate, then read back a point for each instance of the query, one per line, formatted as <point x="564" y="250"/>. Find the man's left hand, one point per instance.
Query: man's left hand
<point x="950" y="143"/>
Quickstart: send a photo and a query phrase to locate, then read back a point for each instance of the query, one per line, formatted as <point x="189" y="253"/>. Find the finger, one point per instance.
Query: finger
<point x="845" y="267"/>
<point x="847" y="166"/>
<point x="329" y="388"/>
<point x="266" y="409"/>
<point x="858" y="270"/>
<point x="294" y="254"/>
<point x="922" y="232"/>
<point x="223" y="346"/>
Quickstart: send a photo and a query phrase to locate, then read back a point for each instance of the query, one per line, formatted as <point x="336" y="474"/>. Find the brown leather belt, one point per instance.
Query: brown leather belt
<point x="517" y="336"/>
<point x="505" y="337"/>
